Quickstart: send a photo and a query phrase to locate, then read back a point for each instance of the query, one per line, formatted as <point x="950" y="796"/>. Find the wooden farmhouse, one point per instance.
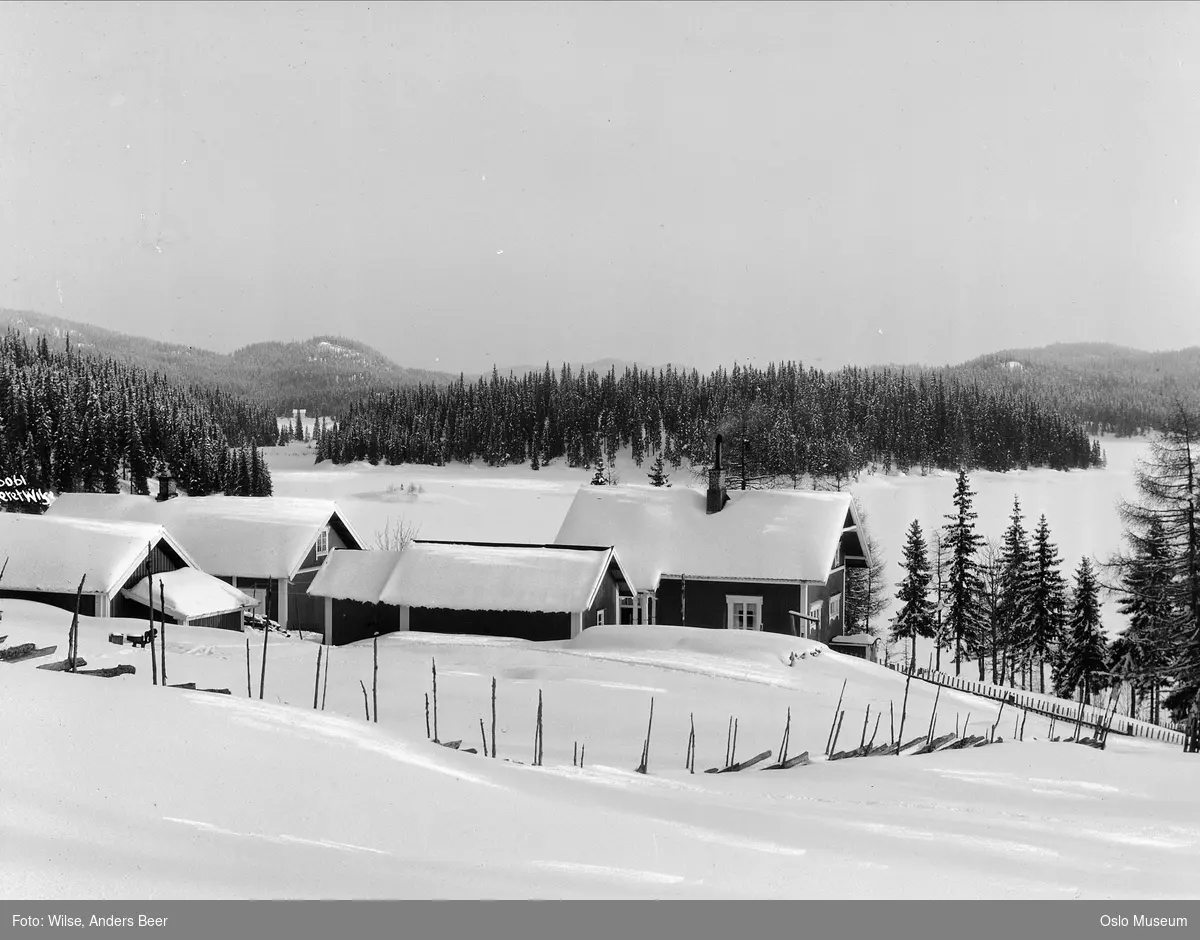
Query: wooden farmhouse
<point x="268" y="547"/>
<point x="772" y="560"/>
<point x="530" y="592"/>
<point x="44" y="560"/>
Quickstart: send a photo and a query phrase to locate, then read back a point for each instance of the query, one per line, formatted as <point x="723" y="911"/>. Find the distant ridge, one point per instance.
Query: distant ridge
<point x="322" y="374"/>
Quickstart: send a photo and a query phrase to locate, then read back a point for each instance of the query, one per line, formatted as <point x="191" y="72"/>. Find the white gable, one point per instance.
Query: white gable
<point x="760" y="535"/>
<point x="247" y="536"/>
<point x="355" y="576"/>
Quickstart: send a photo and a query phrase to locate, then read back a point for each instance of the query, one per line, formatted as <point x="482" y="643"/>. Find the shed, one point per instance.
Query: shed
<point x="526" y="591"/>
<point x="268" y="547"/>
<point x="44" y="559"/>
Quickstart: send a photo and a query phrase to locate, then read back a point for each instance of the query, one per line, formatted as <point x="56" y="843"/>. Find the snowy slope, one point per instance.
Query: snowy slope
<point x="122" y="789"/>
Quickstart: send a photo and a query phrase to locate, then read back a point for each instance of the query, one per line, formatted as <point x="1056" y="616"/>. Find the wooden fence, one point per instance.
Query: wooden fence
<point x="1050" y="707"/>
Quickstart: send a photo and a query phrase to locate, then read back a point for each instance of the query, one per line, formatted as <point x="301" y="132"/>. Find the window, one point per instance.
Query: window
<point x="743" y="613"/>
<point x="599" y="618"/>
<point x="323" y="542"/>
<point x="814" y="611"/>
<point x="835" y="607"/>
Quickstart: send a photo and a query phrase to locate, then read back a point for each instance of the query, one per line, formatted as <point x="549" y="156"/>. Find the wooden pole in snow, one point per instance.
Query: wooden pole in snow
<point x="933" y="717"/>
<point x="325" y="685"/>
<point x="836" y="712"/>
<point x="903" y="711"/>
<point x="249" y="692"/>
<point x="646" y="747"/>
<point x="483" y="734"/>
<point x="366" y="703"/>
<point x="162" y="620"/>
<point x="427" y="732"/>
<point x="375" y="679"/>
<point x="435" y="727"/>
<point x="151" y="633"/>
<point x="262" y="678"/>
<point x="317" y="679"/>
<point x="73" y="636"/>
<point x="892" y="718"/>
<point x="493" y="716"/>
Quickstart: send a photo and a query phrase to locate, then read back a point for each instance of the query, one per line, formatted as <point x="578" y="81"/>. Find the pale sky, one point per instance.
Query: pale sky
<point x="459" y="184"/>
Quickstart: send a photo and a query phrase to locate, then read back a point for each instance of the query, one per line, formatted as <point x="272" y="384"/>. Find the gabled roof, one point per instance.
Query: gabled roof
<point x="760" y="535"/>
<point x="189" y="593"/>
<point x="247" y="536"/>
<point x="50" y="555"/>
<point x="473" y="576"/>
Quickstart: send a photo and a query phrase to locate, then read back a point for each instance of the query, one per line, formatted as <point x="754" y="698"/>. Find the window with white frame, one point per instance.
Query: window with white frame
<point x="323" y="542"/>
<point x="599" y="618"/>
<point x="835" y="607"/>
<point x="743" y="612"/>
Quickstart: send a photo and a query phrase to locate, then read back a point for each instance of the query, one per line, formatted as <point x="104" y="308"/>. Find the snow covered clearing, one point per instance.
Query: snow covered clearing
<point x="116" y="788"/>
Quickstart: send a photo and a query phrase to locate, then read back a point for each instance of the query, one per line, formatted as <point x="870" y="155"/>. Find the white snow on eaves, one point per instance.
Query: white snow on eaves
<point x="769" y="535"/>
<point x="46" y="554"/>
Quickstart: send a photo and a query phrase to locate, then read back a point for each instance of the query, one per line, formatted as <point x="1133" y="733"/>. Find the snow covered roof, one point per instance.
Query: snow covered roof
<point x="472" y="576"/>
<point x="355" y="576"/>
<point x="760" y="535"/>
<point x="248" y="536"/>
<point x="855" y="639"/>
<point x="50" y="555"/>
<point x="189" y="593"/>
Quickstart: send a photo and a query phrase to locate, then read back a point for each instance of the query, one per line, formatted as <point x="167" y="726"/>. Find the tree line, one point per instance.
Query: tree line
<point x="1009" y="604"/>
<point x="85" y="423"/>
<point x="797" y="424"/>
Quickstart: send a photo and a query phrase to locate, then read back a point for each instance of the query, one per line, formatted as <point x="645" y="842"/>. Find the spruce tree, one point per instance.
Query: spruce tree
<point x="1083" y="660"/>
<point x="1047" y="602"/>
<point x="1143" y="653"/>
<point x="1168" y="484"/>
<point x="915" y="617"/>
<point x="1013" y="613"/>
<point x="962" y="577"/>
<point x="657" y="474"/>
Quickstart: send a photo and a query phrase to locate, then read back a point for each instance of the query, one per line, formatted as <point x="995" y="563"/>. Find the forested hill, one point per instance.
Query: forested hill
<point x="75" y="423"/>
<point x="323" y="374"/>
<point x="799" y="422"/>
<point x="1110" y="388"/>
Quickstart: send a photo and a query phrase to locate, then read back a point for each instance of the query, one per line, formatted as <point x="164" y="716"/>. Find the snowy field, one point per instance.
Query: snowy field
<point x="115" y="788"/>
<point x="518" y="504"/>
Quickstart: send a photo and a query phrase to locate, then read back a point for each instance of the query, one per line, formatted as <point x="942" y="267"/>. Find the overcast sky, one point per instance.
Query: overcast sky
<point x="460" y="184"/>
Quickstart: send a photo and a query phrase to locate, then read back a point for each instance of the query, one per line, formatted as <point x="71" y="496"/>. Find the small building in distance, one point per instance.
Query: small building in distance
<point x="524" y="591"/>
<point x="44" y="559"/>
<point x="266" y="546"/>
<point x="772" y="560"/>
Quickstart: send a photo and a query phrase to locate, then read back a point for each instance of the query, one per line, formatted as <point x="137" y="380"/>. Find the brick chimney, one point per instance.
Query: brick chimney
<point x="166" y="487"/>
<point x="717" y="497"/>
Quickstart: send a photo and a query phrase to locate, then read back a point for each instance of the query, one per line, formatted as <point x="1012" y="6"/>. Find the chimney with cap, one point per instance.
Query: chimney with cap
<point x="166" y="487"/>
<point x="717" y="497"/>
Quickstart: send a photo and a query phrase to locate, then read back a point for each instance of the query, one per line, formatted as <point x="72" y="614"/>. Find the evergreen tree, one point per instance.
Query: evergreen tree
<point x="1014" y="592"/>
<point x="1047" y="602"/>
<point x="867" y="593"/>
<point x="962" y="577"/>
<point x="1169" y="491"/>
<point x="299" y="431"/>
<point x="1142" y="654"/>
<point x="1083" y="660"/>
<point x="657" y="474"/>
<point x="599" y="478"/>
<point x="915" y="617"/>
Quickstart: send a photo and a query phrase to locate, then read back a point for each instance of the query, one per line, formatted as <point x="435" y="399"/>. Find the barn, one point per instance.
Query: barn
<point x="44" y="559"/>
<point x="771" y="560"/>
<point x="265" y="546"/>
<point x="524" y="591"/>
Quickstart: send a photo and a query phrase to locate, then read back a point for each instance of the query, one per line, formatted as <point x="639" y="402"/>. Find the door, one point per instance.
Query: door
<point x="743" y="613"/>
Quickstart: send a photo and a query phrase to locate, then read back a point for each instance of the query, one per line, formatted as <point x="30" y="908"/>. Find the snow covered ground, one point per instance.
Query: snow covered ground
<point x="115" y="788"/>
